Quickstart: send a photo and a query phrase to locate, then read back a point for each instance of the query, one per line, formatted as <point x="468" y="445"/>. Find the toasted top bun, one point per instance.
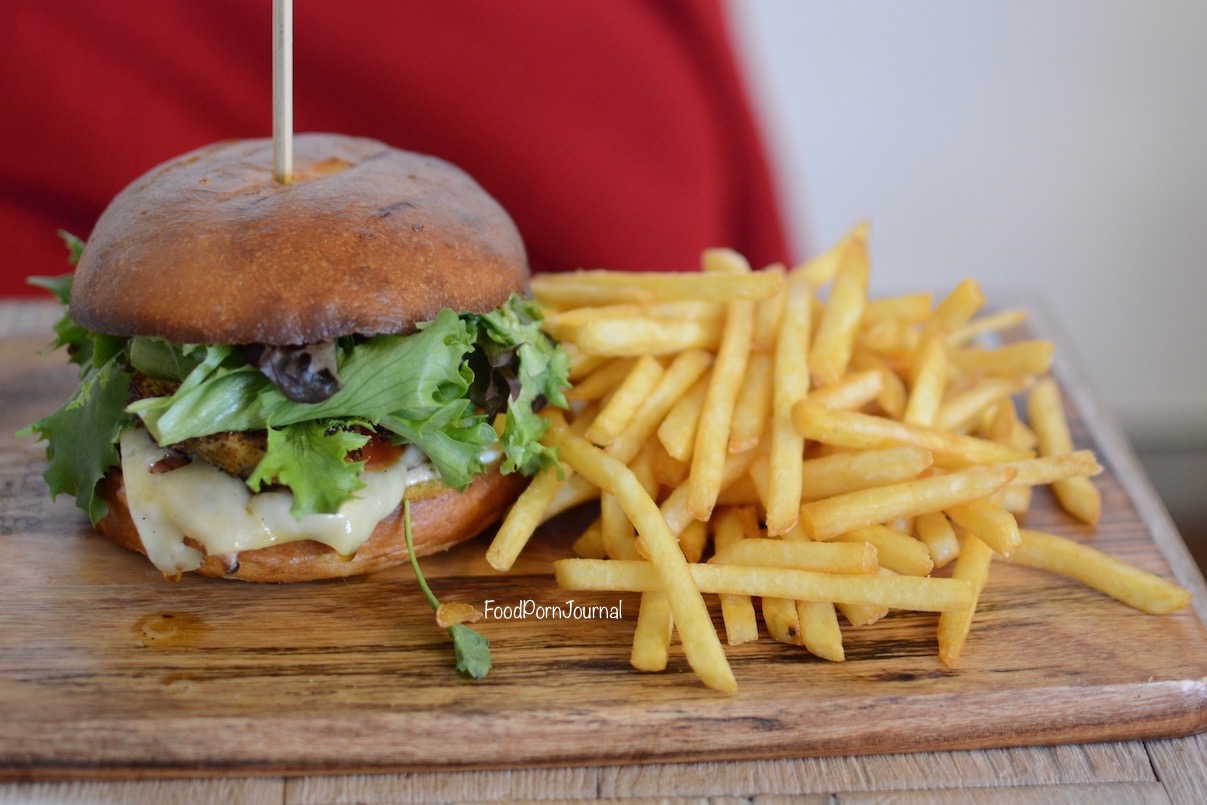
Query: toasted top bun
<point x="366" y="239"/>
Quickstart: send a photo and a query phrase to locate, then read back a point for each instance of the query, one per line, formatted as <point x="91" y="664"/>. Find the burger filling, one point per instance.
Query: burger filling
<point x="269" y="430"/>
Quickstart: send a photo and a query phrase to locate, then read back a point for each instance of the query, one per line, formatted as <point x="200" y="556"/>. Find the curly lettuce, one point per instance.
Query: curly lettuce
<point x="439" y="389"/>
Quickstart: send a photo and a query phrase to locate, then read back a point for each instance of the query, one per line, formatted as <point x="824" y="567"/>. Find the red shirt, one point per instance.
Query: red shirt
<point x="616" y="132"/>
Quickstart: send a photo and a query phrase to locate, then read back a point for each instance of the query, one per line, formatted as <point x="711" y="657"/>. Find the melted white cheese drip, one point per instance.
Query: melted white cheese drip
<point x="222" y="514"/>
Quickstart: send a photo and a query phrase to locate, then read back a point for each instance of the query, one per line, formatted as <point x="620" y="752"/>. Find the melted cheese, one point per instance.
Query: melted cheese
<point x="218" y="510"/>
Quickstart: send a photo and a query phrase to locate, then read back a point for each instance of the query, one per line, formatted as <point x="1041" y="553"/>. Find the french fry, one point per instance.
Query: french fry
<point x="589" y="544"/>
<point x="972" y="566"/>
<point x="960" y="410"/>
<point x="652" y="637"/>
<point x="674" y="508"/>
<point x="1019" y="358"/>
<point x="863" y="431"/>
<point x="693" y="539"/>
<point x="767" y="314"/>
<point x="826" y="519"/>
<point x="899" y="553"/>
<point x="854" y="556"/>
<point x="782" y="621"/>
<point x="994" y="322"/>
<point x="1050" y="469"/>
<point x="753" y="406"/>
<point x="646" y="336"/>
<point x="724" y="261"/>
<point x="1137" y="588"/>
<point x="712" y="434"/>
<point x="910" y="308"/>
<point x="992" y="524"/>
<point x="574" y="492"/>
<point x="791" y="384"/>
<point x="737" y="611"/>
<point x="524" y="517"/>
<point x="940" y="539"/>
<point x="623" y="404"/>
<point x="911" y="593"/>
<point x="839" y="473"/>
<point x="677" y="433"/>
<point x="603" y="380"/>
<point x="955" y="310"/>
<point x="1078" y="496"/>
<point x="893" y="395"/>
<point x="701" y="645"/>
<point x="718" y="286"/>
<point x="619" y="536"/>
<point x="853" y="392"/>
<point x="684" y="370"/>
<point x="830" y="352"/>
<point x="821" y="269"/>
<point x="929" y="381"/>
<point x="819" y="625"/>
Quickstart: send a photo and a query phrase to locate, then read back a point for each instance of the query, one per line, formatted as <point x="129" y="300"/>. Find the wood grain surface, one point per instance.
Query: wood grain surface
<point x="107" y="670"/>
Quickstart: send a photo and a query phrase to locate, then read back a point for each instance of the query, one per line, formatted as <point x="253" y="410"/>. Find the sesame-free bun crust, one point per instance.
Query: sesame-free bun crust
<point x="438" y="521"/>
<point x="366" y="239"/>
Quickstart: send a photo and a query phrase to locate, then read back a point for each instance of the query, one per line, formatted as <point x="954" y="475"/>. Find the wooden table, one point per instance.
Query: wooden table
<point x="1173" y="770"/>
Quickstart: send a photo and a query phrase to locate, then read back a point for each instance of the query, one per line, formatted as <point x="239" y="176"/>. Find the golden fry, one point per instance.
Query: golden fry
<point x="782" y="621"/>
<point x="911" y="593"/>
<point x="831" y="350"/>
<point x="1019" y="358"/>
<point x="1136" y="588"/>
<point x="955" y="310"/>
<point x="960" y="410"/>
<point x="603" y="380"/>
<point x="684" y="370"/>
<point x="994" y="322"/>
<point x="826" y="519"/>
<point x="822" y="635"/>
<point x="589" y="544"/>
<point x="992" y="524"/>
<point x="622" y="405"/>
<point x="1078" y="496"/>
<point x="940" y="539"/>
<point x="896" y="551"/>
<point x="854" y="556"/>
<point x="853" y="392"/>
<point x="908" y="308"/>
<point x="791" y="384"/>
<point x="652" y="638"/>
<point x="618" y="287"/>
<point x="753" y="406"/>
<point x="929" y="381"/>
<point x="701" y="645"/>
<point x="524" y="517"/>
<point x="741" y="626"/>
<point x="851" y="471"/>
<point x="677" y="433"/>
<point x="646" y="336"/>
<point x="972" y="566"/>
<point x="712" y="434"/>
<point x="863" y="431"/>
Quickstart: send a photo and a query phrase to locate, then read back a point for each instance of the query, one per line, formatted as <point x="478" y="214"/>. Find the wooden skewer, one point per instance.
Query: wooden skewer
<point x="282" y="90"/>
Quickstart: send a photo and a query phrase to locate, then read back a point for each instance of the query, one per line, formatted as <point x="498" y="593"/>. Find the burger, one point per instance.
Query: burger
<point x="268" y="370"/>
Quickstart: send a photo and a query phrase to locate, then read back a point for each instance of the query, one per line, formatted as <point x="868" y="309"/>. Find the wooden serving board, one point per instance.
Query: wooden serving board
<point x="106" y="669"/>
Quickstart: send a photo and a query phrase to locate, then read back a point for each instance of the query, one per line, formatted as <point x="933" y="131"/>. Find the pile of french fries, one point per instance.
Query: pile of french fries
<point x="828" y="452"/>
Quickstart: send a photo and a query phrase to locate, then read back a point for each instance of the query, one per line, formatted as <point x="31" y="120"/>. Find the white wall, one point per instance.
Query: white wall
<point x="1058" y="146"/>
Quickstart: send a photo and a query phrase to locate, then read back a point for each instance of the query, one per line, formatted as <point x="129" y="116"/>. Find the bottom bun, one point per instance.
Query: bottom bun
<point x="438" y="522"/>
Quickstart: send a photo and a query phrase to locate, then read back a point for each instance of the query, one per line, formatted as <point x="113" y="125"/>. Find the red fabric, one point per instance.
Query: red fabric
<point x="616" y="132"/>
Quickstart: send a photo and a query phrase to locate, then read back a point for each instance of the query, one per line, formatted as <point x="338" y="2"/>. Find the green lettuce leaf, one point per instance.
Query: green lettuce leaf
<point x="310" y="458"/>
<point x="534" y="373"/>
<point x="82" y="436"/>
